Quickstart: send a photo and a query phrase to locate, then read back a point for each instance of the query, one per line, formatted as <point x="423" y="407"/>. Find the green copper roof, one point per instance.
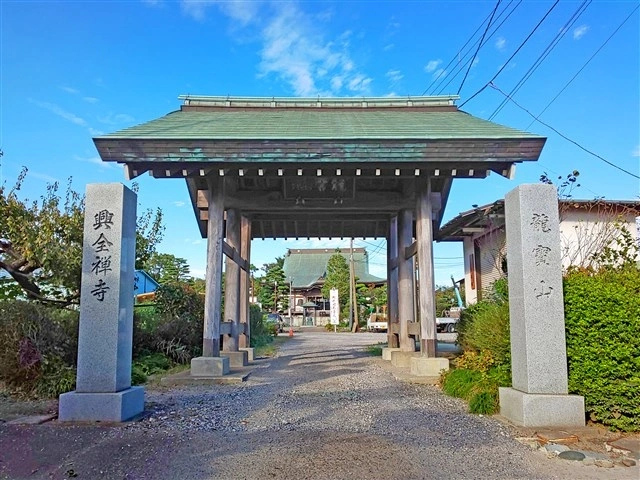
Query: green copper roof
<point x="305" y="267"/>
<point x="291" y="121"/>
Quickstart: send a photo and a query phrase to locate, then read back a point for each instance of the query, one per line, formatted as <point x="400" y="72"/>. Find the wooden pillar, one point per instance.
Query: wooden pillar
<point x="232" y="283"/>
<point x="427" y="304"/>
<point x="245" y="283"/>
<point x="213" y="289"/>
<point x="392" y="283"/>
<point x="405" y="280"/>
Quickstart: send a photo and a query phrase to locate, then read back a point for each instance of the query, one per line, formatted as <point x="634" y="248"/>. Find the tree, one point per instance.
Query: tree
<point x="167" y="268"/>
<point x="274" y="289"/>
<point x="337" y="276"/>
<point x="41" y="241"/>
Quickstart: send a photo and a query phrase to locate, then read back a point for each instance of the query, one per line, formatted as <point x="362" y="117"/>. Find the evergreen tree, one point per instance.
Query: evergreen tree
<point x="337" y="276"/>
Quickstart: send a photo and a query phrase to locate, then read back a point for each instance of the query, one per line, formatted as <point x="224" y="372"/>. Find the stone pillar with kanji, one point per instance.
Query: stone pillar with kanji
<point x="105" y="338"/>
<point x="539" y="393"/>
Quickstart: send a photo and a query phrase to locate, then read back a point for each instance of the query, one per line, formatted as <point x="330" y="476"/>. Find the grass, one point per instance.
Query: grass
<point x="270" y="349"/>
<point x="376" y="349"/>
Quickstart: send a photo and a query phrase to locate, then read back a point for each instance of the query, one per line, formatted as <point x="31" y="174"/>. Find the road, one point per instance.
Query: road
<point x="322" y="409"/>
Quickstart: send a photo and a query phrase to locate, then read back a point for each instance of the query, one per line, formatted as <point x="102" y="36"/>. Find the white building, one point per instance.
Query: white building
<point x="586" y="228"/>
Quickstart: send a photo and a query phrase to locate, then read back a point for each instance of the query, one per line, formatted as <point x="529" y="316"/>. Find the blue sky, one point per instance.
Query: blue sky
<point x="73" y="70"/>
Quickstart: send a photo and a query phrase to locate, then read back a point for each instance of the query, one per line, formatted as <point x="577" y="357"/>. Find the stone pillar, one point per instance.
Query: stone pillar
<point x="210" y="363"/>
<point x="406" y="312"/>
<point x="392" y="283"/>
<point x="539" y="396"/>
<point x="105" y="338"/>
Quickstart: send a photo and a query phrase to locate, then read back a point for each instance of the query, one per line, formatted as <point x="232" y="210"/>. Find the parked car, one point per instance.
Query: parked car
<point x="276" y="320"/>
<point x="377" y="322"/>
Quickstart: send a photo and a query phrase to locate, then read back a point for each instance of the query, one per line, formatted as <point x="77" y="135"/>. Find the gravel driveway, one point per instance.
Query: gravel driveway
<point x="322" y="409"/>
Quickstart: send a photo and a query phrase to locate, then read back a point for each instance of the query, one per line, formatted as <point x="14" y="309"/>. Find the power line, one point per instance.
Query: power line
<point x="564" y="136"/>
<point x="458" y="55"/>
<point x="543" y="56"/>
<point x="488" y="38"/>
<point x="514" y="54"/>
<point x="479" y="46"/>
<point x="585" y="65"/>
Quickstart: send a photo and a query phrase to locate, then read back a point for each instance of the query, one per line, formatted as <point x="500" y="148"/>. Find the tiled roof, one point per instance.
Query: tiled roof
<point x="318" y="124"/>
<point x="305" y="267"/>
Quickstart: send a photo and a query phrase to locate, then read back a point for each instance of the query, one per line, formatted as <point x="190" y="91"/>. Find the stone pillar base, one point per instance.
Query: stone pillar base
<point x="386" y="352"/>
<point x="541" y="410"/>
<point x="403" y="359"/>
<point x="101" y="407"/>
<point x="249" y="351"/>
<point x="428" y="366"/>
<point x="209" y="366"/>
<point x="237" y="359"/>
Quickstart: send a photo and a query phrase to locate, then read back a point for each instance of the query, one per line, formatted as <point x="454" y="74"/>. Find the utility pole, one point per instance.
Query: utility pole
<point x="352" y="291"/>
<point x="290" y="300"/>
<point x="350" y="285"/>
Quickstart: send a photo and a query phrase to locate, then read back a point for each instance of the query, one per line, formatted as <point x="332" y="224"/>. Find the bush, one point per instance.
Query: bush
<point x="38" y="348"/>
<point x="602" y="320"/>
<point x="484" y="328"/>
<point x="459" y="382"/>
<point x="261" y="335"/>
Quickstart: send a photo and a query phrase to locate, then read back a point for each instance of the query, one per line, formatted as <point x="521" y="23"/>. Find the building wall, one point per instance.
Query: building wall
<point x="584" y="233"/>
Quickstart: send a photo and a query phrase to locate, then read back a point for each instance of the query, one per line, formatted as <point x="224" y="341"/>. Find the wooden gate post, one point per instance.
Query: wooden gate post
<point x="232" y="283"/>
<point x="424" y="239"/>
<point x="245" y="284"/>
<point x="406" y="312"/>
<point x="392" y="284"/>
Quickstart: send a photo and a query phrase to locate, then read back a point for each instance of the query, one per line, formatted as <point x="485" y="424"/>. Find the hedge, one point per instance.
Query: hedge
<point x="602" y="319"/>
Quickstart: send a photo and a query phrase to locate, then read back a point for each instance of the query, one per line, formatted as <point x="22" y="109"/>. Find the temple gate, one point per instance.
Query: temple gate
<point x="318" y="167"/>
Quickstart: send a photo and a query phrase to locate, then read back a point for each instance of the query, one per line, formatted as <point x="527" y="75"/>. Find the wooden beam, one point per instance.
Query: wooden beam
<point x="245" y="284"/>
<point x="232" y="282"/>
<point x="234" y="255"/>
<point x="426" y="301"/>
<point x="213" y="281"/>
<point x="406" y="313"/>
<point x="411" y="250"/>
<point x="392" y="283"/>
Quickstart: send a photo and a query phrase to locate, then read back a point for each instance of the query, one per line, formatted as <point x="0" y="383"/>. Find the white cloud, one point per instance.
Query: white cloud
<point x="43" y="176"/>
<point x="394" y="75"/>
<point x="432" y="65"/>
<point x="580" y="32"/>
<point x="95" y="132"/>
<point x="94" y="161"/>
<point x="70" y="90"/>
<point x="636" y="151"/>
<point x="388" y="47"/>
<point x="294" y="49"/>
<point x="179" y="203"/>
<point x="116" y="119"/>
<point x="90" y="99"/>
<point x="240" y="10"/>
<point x="438" y="73"/>
<point x="57" y="110"/>
<point x="501" y="42"/>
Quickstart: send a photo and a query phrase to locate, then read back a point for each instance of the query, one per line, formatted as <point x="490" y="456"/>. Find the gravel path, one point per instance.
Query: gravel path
<point x="322" y="409"/>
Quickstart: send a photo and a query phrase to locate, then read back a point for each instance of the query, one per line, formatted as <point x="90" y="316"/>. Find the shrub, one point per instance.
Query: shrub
<point x="36" y="341"/>
<point x="459" y="382"/>
<point x="484" y="328"/>
<point x="261" y="333"/>
<point x="484" y="403"/>
<point x="602" y="320"/>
